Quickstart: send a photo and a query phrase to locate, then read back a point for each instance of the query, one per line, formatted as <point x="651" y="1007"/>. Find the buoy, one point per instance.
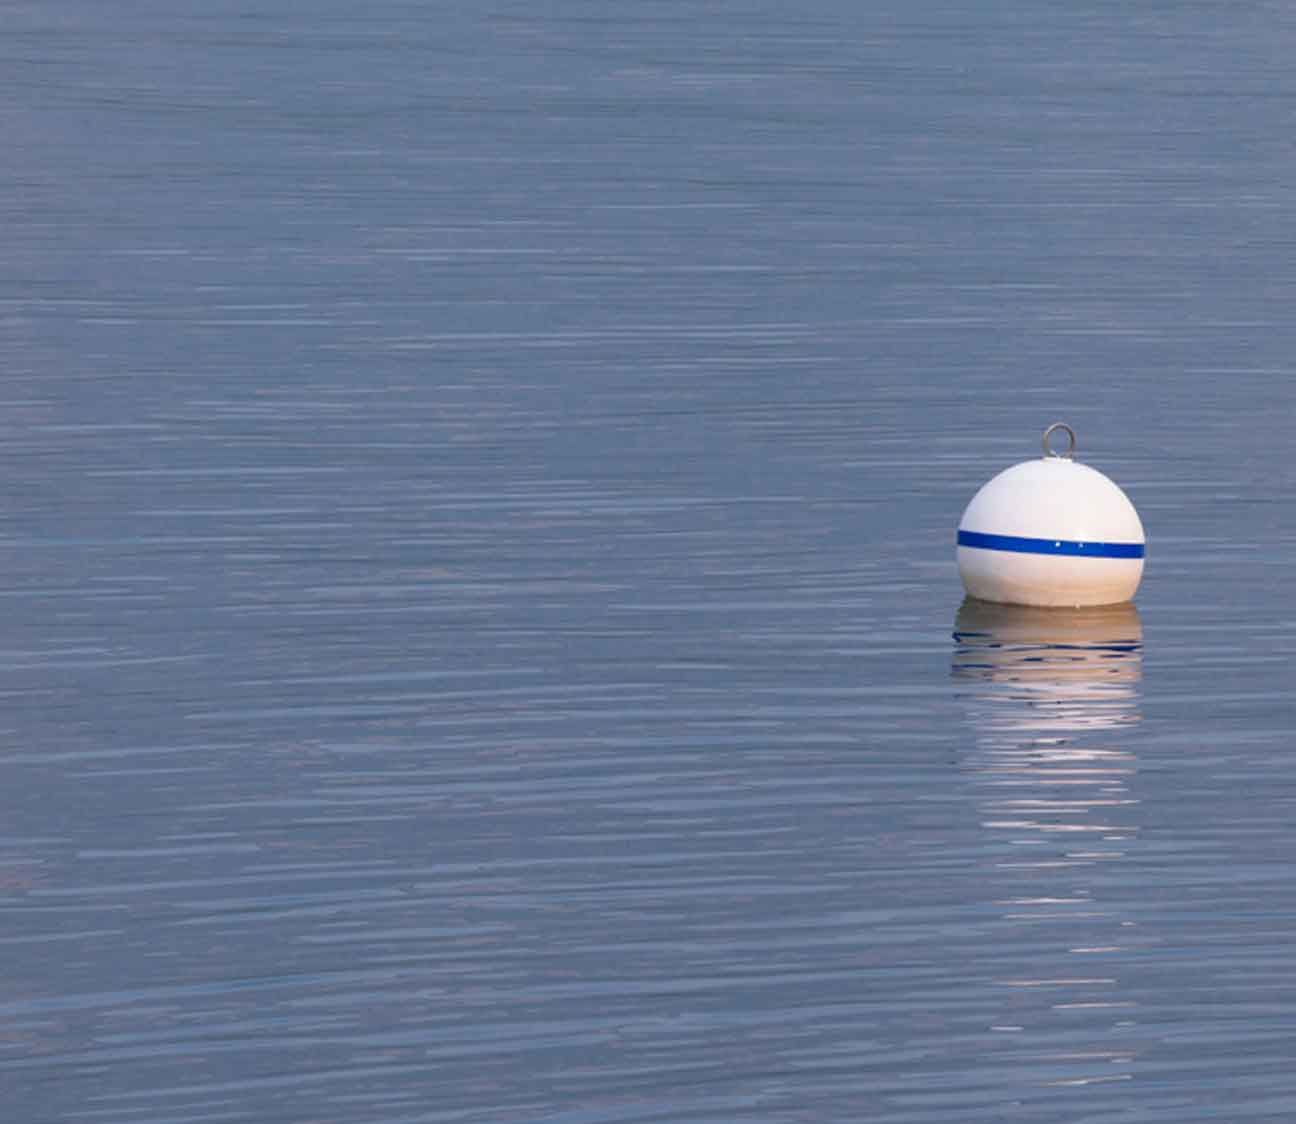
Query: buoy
<point x="1051" y="532"/>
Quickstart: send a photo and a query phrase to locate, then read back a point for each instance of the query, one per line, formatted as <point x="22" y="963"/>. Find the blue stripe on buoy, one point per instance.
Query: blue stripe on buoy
<point x="1051" y="546"/>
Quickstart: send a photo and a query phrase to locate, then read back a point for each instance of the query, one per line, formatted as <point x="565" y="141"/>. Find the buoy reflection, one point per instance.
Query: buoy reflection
<point x="1037" y="682"/>
<point x="1049" y="695"/>
<point x="1049" y="671"/>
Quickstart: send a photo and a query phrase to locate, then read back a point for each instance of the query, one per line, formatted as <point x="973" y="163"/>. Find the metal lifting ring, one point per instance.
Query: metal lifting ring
<point x="1070" y="449"/>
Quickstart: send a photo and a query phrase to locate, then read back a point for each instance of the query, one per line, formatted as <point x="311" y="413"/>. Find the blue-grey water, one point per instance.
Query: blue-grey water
<point x="481" y="641"/>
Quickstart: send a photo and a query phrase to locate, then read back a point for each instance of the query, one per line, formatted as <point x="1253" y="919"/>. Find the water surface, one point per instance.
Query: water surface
<point x="482" y="638"/>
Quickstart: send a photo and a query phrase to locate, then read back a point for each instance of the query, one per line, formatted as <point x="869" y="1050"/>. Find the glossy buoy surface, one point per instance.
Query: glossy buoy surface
<point x="1051" y="532"/>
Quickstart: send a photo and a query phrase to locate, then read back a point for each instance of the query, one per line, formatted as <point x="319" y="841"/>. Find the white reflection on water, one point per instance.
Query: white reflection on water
<point x="1045" y="671"/>
<point x="1039" y="683"/>
<point x="1047" y="694"/>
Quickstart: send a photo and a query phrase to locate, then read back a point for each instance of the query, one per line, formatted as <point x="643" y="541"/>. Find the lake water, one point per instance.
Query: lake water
<point x="481" y="636"/>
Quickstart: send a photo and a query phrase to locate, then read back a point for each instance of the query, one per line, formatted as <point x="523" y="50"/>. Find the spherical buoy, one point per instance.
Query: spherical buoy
<point x="1051" y="532"/>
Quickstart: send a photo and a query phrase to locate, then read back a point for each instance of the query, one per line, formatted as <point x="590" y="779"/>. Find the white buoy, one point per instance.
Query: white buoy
<point x="1051" y="532"/>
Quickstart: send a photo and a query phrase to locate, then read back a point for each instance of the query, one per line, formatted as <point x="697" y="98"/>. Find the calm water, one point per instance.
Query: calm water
<point x="481" y="639"/>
